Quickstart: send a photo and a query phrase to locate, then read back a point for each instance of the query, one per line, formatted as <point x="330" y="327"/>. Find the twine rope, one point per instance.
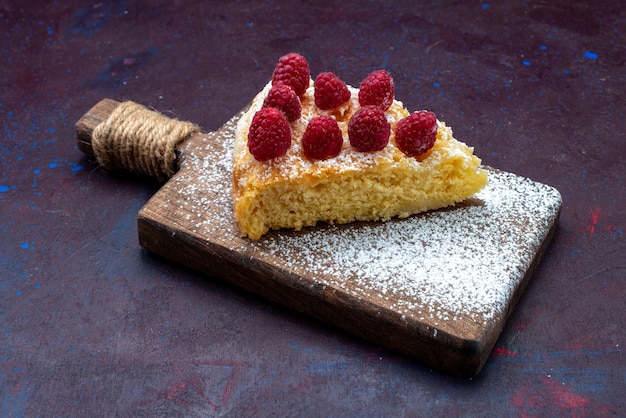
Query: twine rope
<point x="139" y="140"/>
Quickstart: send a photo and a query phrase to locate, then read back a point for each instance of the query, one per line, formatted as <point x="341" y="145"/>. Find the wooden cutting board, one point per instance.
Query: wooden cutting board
<point x="437" y="287"/>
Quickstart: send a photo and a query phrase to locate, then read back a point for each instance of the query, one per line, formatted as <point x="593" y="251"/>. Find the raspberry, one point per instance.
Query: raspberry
<point x="322" y="138"/>
<point x="292" y="69"/>
<point x="368" y="129"/>
<point x="330" y="91"/>
<point x="269" y="135"/>
<point x="283" y="98"/>
<point x="416" y="133"/>
<point x="377" y="89"/>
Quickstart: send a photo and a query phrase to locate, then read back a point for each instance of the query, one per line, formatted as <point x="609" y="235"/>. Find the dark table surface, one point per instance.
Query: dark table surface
<point x="93" y="324"/>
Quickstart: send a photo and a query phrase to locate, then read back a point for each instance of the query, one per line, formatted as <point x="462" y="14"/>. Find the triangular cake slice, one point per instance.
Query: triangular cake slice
<point x="293" y="191"/>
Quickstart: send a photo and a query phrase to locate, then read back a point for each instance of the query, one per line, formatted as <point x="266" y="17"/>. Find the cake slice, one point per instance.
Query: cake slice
<point x="296" y="188"/>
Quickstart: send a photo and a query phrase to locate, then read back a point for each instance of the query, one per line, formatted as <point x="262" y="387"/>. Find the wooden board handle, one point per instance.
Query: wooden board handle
<point x="126" y="136"/>
<point x="88" y="122"/>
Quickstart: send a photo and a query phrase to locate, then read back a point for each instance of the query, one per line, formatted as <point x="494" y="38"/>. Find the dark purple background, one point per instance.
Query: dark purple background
<point x="93" y="324"/>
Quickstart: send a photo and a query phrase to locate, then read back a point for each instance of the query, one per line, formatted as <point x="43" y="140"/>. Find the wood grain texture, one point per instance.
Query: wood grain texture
<point x="86" y="124"/>
<point x="189" y="221"/>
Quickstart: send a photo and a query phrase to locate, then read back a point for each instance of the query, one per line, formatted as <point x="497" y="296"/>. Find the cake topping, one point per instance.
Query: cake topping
<point x="285" y="99"/>
<point x="292" y="69"/>
<point x="368" y="129"/>
<point x="330" y="91"/>
<point x="270" y="135"/>
<point x="369" y="121"/>
<point x="322" y="138"/>
<point x="416" y="133"/>
<point x="377" y="89"/>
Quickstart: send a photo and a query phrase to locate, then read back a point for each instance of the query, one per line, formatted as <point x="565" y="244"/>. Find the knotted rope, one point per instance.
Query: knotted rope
<point x="139" y="140"/>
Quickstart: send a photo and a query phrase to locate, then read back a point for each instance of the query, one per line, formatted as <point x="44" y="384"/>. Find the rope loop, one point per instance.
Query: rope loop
<point x="139" y="140"/>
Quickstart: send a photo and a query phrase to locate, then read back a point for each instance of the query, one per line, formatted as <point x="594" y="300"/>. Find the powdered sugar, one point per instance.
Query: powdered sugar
<point x="463" y="262"/>
<point x="466" y="261"/>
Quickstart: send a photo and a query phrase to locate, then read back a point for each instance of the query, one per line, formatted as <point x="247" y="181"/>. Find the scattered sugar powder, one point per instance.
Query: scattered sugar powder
<point x="463" y="262"/>
<point x="445" y="264"/>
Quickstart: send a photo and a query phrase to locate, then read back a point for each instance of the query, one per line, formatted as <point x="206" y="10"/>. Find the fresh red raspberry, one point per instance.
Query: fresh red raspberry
<point x="269" y="135"/>
<point x="292" y="69"/>
<point x="330" y="91"/>
<point x="283" y="98"/>
<point x="416" y="133"/>
<point x="377" y="89"/>
<point x="322" y="138"/>
<point x="368" y="129"/>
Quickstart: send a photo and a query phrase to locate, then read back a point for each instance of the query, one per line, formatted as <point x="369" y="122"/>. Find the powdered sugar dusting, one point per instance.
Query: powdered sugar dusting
<point x="466" y="261"/>
<point x="463" y="262"/>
